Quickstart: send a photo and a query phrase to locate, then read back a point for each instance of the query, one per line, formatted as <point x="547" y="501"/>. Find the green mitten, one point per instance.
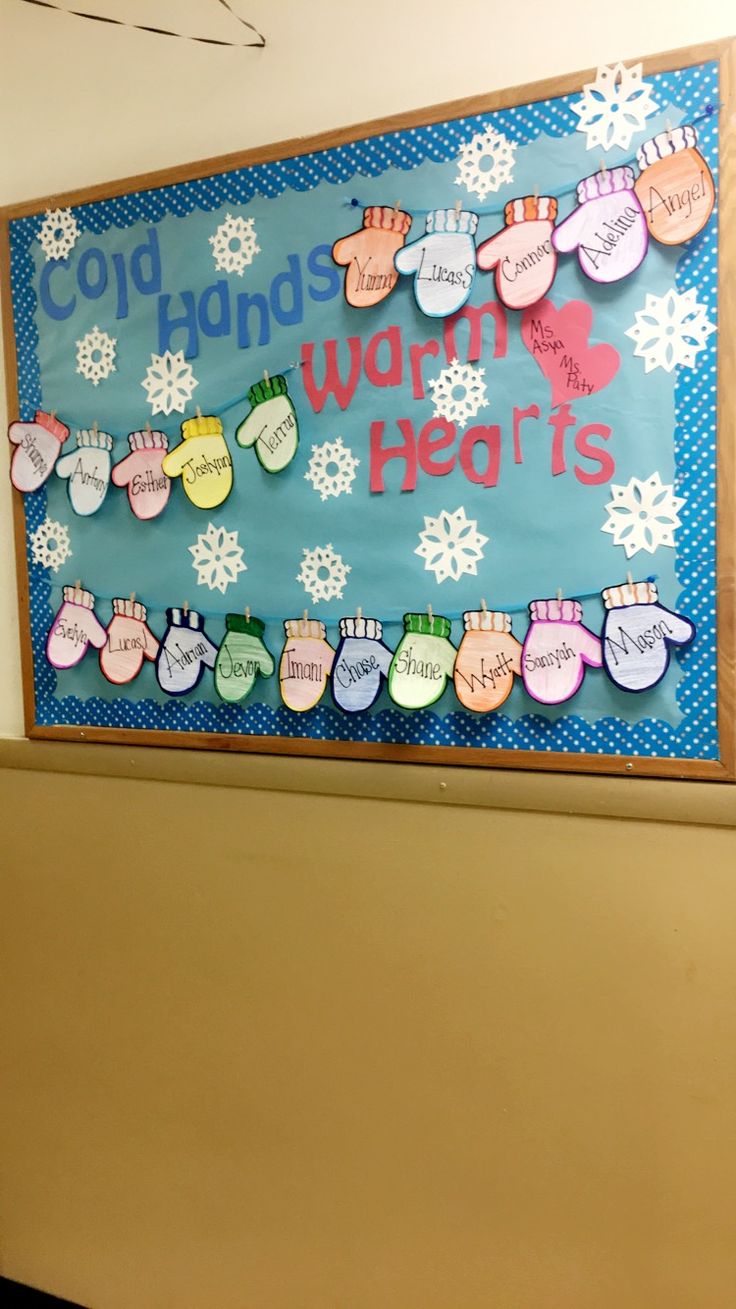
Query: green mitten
<point x="271" y="424"/>
<point x="423" y="661"/>
<point x="241" y="657"/>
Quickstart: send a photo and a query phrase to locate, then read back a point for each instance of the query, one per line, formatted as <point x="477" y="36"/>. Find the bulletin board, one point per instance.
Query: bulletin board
<point x="411" y="441"/>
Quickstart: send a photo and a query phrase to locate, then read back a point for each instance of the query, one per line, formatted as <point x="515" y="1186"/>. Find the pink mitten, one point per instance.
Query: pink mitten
<point x="305" y="665"/>
<point x="556" y="649"/>
<point x="129" y="641"/>
<point x="608" y="228"/>
<point x="522" y="253"/>
<point x="369" y="255"/>
<point x="74" y="628"/>
<point x="148" y="486"/>
<point x="39" y="446"/>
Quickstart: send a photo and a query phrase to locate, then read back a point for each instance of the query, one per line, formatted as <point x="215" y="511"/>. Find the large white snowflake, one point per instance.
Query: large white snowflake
<point x="451" y="545"/>
<point x="169" y="382"/>
<point x="485" y="162"/>
<point x="671" y="329"/>
<point x="58" y="233"/>
<point x="217" y="558"/>
<point x="458" y="393"/>
<point x="234" y="245"/>
<point x="50" y="544"/>
<point x="614" y="106"/>
<point x="332" y="468"/>
<point x="643" y="515"/>
<point x="323" y="573"/>
<point x="96" y="355"/>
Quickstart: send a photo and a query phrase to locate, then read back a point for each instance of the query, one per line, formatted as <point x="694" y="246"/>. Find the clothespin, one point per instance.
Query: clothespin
<point x="94" y="427"/>
<point x="247" y="613"/>
<point x="559" y="595"/>
<point x="132" y="597"/>
<point x="77" y="585"/>
<point x="604" y="170"/>
<point x="668" y="126"/>
<point x="359" y="612"/>
<point x="306" y="616"/>
<point x="536" y="192"/>
<point x="430" y="615"/>
<point x="266" y="378"/>
<point x="484" y="606"/>
<point x="397" y="206"/>
<point x="185" y="608"/>
<point x="630" y="579"/>
<point x="148" y="426"/>
<point x="198" y="412"/>
<point x="458" y="207"/>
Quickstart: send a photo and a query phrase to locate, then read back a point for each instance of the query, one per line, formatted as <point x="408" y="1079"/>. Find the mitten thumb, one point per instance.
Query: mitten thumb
<point x="344" y="249"/>
<point x="151" y="647"/>
<point x="65" y="466"/>
<point x="590" y="648"/>
<point x="570" y="232"/>
<point x="121" y="472"/>
<point x="408" y="259"/>
<point x="491" y="251"/>
<point x="683" y="630"/>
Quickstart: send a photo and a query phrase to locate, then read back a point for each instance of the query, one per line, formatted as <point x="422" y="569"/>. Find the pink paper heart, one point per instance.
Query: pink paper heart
<point x="558" y="340"/>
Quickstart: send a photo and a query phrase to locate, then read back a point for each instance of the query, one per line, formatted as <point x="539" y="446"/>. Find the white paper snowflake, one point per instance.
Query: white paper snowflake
<point x="643" y="515"/>
<point x="671" y="329"/>
<point x="332" y="468"/>
<point x="458" y="393"/>
<point x="323" y="573"/>
<point x="96" y="355"/>
<point x="485" y="162"/>
<point x="234" y="245"/>
<point x="58" y="233"/>
<point x="451" y="545"/>
<point x="169" y="382"/>
<point x="614" y="107"/>
<point x="50" y="544"/>
<point x="217" y="558"/>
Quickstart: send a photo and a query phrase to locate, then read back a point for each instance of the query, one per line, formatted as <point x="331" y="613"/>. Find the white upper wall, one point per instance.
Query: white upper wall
<point x="84" y="102"/>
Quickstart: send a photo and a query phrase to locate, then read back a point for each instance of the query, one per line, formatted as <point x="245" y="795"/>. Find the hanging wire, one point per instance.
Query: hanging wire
<point x="259" y="44"/>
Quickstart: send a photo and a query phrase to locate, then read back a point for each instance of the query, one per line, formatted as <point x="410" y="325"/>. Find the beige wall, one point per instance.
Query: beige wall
<point x="308" y="1051"/>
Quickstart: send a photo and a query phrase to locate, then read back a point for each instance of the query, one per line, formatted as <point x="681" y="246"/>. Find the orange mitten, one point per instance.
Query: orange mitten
<point x="369" y="255"/>
<point x="486" y="661"/>
<point x="675" y="187"/>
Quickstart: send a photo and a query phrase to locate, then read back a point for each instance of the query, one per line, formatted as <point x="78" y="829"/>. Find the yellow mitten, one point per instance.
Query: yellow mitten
<point x="203" y="462"/>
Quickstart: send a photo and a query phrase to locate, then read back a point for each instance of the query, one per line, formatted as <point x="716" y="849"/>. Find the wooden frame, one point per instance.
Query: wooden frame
<point x="723" y="769"/>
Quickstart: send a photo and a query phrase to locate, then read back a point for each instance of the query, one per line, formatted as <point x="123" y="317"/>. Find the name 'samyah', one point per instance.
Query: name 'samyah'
<point x="550" y="659"/>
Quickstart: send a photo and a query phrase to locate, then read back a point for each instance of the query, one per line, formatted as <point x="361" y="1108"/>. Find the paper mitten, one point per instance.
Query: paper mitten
<point x="556" y="649"/>
<point x="129" y="642"/>
<point x="675" y="185"/>
<point x="203" y="462"/>
<point x="637" y="635"/>
<point x="184" y="653"/>
<point x="608" y="228"/>
<point x="522" y="253"/>
<point x="88" y="471"/>
<point x="38" y="448"/>
<point x="141" y="472"/>
<point x="443" y="262"/>
<point x="361" y="661"/>
<point x="74" y="629"/>
<point x="423" y="661"/>
<point x="271" y="424"/>
<point x="487" y="658"/>
<point x="305" y="664"/>
<point x="241" y="658"/>
<point x="368" y="255"/>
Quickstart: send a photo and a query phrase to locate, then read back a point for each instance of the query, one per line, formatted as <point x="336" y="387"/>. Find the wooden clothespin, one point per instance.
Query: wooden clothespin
<point x="94" y="427"/>
<point x="668" y="126"/>
<point x="536" y="192"/>
<point x="266" y="378"/>
<point x="630" y="579"/>
<point x="397" y="206"/>
<point x="458" y="207"/>
<point x="430" y="615"/>
<point x="131" y="597"/>
<point x="185" y="608"/>
<point x="359" y="612"/>
<point x="148" y="426"/>
<point x="483" y="606"/>
<point x="247" y="613"/>
<point x="198" y="412"/>
<point x="559" y="595"/>
<point x="604" y="170"/>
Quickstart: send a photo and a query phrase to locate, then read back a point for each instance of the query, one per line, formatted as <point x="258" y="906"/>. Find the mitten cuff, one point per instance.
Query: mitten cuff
<point x="369" y="627"/>
<point x="190" y="619"/>
<point x="423" y="625"/>
<point x="248" y="626"/>
<point x="529" y="208"/>
<point x="487" y="620"/>
<point x="266" y="390"/>
<point x="464" y="223"/>
<point x="129" y="609"/>
<point x="52" y="425"/>
<point x="666" y="143"/>
<point x="598" y="184"/>
<point x="630" y="593"/>
<point x="202" y="426"/>
<point x="76" y="595"/>
<point x="305" y="627"/>
<point x="387" y="219"/>
<point x="148" y="440"/>
<point x="556" y="611"/>
<point x="92" y="436"/>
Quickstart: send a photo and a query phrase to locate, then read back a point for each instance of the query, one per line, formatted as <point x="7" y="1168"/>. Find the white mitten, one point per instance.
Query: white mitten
<point x="556" y="650"/>
<point x="637" y="635"/>
<point x="361" y="662"/>
<point x="184" y="653"/>
<point x="38" y="448"/>
<point x="74" y="629"/>
<point x="443" y="262"/>
<point x="88" y="471"/>
<point x="608" y="228"/>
